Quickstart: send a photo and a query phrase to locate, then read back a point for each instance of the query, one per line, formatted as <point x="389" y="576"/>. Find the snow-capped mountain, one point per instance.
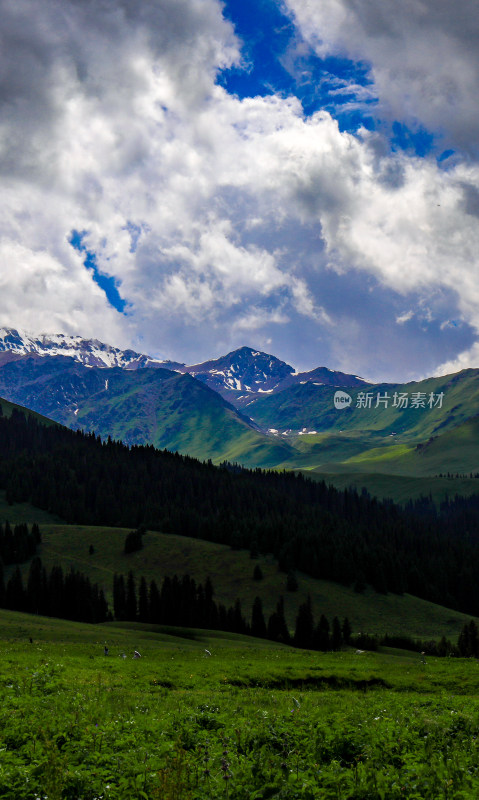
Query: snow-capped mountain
<point x="89" y="352"/>
<point x="242" y="371"/>
<point x="245" y="374"/>
<point x="239" y="377"/>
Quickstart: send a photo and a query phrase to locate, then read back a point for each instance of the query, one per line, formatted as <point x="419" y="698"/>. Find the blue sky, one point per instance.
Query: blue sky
<point x="184" y="178"/>
<point x="277" y="60"/>
<point x="106" y="282"/>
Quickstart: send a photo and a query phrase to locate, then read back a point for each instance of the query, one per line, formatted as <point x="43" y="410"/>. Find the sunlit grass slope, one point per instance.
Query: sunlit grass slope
<point x="399" y="488"/>
<point x="397" y="441"/>
<point x="456" y="451"/>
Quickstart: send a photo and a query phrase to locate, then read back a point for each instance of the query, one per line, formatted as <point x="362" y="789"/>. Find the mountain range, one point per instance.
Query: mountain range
<point x="238" y="376"/>
<point x="247" y="406"/>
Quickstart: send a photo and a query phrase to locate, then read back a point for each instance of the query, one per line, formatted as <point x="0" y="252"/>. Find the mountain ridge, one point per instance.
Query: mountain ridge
<point x="144" y="406"/>
<point x="90" y="352"/>
<point x="238" y="376"/>
<point x="246" y="406"/>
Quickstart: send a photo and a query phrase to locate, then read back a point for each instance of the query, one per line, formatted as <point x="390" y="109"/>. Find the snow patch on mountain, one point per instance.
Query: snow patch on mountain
<point x="239" y="376"/>
<point x="89" y="352"/>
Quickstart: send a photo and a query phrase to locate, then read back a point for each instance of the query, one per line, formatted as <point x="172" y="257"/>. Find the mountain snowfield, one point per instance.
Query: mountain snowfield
<point x="89" y="352"/>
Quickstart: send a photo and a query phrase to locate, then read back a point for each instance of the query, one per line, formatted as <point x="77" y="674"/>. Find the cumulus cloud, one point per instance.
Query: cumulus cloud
<point x="423" y="56"/>
<point x="217" y="216"/>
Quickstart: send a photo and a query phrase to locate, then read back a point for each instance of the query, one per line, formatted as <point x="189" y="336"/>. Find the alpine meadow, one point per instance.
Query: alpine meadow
<point x="239" y="400"/>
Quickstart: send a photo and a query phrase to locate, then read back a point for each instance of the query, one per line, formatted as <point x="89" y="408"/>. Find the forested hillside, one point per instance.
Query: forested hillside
<point x="344" y="536"/>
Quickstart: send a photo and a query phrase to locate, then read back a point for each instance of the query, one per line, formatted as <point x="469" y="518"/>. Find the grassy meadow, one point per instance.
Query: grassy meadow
<point x="206" y="715"/>
<point x="399" y="488"/>
<point x="253" y="720"/>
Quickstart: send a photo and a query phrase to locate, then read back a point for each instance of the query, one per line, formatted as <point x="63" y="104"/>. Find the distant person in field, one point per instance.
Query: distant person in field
<point x="105" y="650"/>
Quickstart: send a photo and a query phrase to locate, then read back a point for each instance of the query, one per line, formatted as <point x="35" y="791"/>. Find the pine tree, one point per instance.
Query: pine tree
<point x="2" y="587"/>
<point x="303" y="635"/>
<point x="143" y="605"/>
<point x="154" y="611"/>
<point x="468" y="642"/>
<point x="346" y="631"/>
<point x="336" y="636"/>
<point x="321" y="635"/>
<point x="36" y="533"/>
<point x="131" y="602"/>
<point x="277" y="628"/>
<point x="258" y="625"/>
<point x="473" y="639"/>
<point x="133" y="542"/>
<point x="15" y="595"/>
<point x="291" y="582"/>
<point x="55" y="591"/>
<point x="36" y="601"/>
<point x="119" y="597"/>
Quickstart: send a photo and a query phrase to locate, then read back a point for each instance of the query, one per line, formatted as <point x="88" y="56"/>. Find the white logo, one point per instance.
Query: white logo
<point x="342" y="400"/>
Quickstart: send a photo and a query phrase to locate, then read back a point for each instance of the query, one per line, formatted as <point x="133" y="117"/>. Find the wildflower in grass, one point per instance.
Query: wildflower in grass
<point x="225" y="766"/>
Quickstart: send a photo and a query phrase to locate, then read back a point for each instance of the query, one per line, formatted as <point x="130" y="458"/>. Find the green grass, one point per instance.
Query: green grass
<point x="251" y="722"/>
<point x="175" y="412"/>
<point x="409" y="442"/>
<point x="231" y="572"/>
<point x="312" y="406"/>
<point x="456" y="451"/>
<point x="399" y="488"/>
<point x="24" y="512"/>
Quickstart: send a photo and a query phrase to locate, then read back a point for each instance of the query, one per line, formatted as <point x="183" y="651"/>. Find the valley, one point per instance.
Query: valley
<point x="213" y="712"/>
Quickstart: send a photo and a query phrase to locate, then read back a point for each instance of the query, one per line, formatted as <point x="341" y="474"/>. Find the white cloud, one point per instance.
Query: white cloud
<point x="111" y="119"/>
<point x="402" y="318"/>
<point x="423" y="56"/>
<point x="468" y="358"/>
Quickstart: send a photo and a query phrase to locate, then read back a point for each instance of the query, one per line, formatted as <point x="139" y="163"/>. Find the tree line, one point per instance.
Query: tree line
<point x="69" y="595"/>
<point x="180" y="601"/>
<point x="18" y="544"/>
<point x="340" y="535"/>
<point x="183" y="602"/>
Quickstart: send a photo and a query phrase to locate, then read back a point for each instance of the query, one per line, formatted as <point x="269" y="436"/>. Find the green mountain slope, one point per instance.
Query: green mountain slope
<point x="177" y="413"/>
<point x="148" y="406"/>
<point x="386" y="428"/>
<point x="428" y="435"/>
<point x="321" y="534"/>
<point x="6" y="409"/>
<point x="456" y="451"/>
<point x="312" y="407"/>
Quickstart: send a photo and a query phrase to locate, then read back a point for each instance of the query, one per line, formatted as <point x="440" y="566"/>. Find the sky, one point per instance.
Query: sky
<point x="185" y="177"/>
